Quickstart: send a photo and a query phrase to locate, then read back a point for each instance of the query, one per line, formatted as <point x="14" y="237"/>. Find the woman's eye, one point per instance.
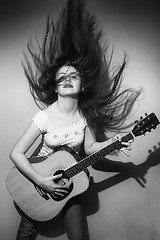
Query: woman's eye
<point x="61" y="79"/>
<point x="74" y="77"/>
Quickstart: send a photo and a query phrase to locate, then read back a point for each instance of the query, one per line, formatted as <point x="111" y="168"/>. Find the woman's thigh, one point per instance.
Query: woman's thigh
<point x="27" y="229"/>
<point x="74" y="220"/>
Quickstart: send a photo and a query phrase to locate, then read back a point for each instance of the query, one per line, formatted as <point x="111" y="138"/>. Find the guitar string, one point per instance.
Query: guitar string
<point x="75" y="169"/>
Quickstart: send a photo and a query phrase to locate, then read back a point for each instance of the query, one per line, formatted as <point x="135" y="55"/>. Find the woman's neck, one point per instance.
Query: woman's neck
<point x="67" y="105"/>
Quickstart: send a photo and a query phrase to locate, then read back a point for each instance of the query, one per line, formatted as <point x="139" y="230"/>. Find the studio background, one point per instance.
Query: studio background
<point x="127" y="210"/>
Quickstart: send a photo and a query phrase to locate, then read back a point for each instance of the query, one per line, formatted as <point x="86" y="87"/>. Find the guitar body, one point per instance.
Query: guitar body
<point x="42" y="206"/>
<point x="32" y="201"/>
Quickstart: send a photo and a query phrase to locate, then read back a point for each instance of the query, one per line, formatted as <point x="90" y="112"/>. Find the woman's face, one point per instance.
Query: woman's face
<point x="68" y="81"/>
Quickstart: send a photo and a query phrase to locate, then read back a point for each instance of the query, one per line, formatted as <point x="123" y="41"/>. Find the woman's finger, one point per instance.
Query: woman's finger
<point x="54" y="177"/>
<point x="125" y="151"/>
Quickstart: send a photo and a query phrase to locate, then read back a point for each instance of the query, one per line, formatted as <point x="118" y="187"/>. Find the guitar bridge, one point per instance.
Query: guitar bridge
<point x="41" y="193"/>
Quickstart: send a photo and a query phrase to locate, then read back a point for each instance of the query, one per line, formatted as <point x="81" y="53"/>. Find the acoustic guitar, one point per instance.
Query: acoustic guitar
<point x="42" y="206"/>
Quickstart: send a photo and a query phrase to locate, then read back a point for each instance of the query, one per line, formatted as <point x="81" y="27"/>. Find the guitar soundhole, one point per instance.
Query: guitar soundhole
<point x="62" y="181"/>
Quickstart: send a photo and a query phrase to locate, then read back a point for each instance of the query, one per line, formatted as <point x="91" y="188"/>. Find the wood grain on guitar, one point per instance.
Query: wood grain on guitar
<point x="42" y="206"/>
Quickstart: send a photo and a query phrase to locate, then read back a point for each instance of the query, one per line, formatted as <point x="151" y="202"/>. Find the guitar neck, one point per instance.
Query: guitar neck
<point x="90" y="160"/>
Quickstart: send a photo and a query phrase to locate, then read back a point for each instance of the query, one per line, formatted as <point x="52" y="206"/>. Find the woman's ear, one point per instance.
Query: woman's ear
<point x="82" y="89"/>
<point x="55" y="89"/>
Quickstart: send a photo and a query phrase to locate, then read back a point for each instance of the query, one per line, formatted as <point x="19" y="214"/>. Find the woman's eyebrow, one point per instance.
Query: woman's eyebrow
<point x="68" y="74"/>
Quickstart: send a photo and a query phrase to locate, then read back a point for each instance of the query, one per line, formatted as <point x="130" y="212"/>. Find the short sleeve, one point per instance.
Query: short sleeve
<point x="40" y="121"/>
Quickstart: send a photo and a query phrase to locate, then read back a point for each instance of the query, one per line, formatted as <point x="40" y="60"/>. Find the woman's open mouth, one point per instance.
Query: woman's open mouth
<point x="68" y="86"/>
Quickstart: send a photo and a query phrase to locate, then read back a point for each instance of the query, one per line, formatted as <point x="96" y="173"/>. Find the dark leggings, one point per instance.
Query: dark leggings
<point x="73" y="219"/>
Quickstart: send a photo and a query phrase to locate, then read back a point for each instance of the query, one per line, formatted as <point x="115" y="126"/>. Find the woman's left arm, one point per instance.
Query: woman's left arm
<point x="91" y="145"/>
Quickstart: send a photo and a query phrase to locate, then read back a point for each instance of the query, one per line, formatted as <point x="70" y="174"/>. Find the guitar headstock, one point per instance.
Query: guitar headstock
<point x="145" y="124"/>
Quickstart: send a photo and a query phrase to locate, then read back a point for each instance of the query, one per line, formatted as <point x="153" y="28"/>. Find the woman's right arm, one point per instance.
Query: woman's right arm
<point x="18" y="157"/>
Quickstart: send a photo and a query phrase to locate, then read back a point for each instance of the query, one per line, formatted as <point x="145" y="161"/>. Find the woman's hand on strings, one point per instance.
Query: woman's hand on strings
<point x="49" y="186"/>
<point x="126" y="145"/>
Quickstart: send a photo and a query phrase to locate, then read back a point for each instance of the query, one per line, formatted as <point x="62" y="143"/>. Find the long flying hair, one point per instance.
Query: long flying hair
<point x="75" y="39"/>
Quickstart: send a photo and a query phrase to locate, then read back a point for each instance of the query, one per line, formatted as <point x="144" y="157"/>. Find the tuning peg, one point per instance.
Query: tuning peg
<point x="146" y="114"/>
<point x="141" y="117"/>
<point x="136" y="121"/>
<point x="153" y="126"/>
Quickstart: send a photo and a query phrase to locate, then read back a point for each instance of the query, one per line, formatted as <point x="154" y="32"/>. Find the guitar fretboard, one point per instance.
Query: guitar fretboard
<point x="90" y="160"/>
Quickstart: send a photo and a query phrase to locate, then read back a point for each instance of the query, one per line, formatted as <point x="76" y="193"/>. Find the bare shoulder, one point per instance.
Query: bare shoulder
<point x="52" y="109"/>
<point x="52" y="112"/>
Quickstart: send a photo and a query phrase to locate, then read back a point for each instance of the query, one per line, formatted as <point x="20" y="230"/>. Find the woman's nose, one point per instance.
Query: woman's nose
<point x="68" y="79"/>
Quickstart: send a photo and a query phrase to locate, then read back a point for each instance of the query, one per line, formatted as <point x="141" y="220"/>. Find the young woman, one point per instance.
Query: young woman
<point x="80" y="96"/>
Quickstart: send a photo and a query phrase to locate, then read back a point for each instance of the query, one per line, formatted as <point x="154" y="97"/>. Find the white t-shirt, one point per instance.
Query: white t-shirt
<point x="71" y="136"/>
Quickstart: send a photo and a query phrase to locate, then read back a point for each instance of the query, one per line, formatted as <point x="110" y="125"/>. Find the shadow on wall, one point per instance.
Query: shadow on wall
<point x="54" y="227"/>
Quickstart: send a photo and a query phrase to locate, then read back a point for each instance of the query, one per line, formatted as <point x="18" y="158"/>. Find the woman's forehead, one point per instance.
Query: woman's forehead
<point x="65" y="70"/>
